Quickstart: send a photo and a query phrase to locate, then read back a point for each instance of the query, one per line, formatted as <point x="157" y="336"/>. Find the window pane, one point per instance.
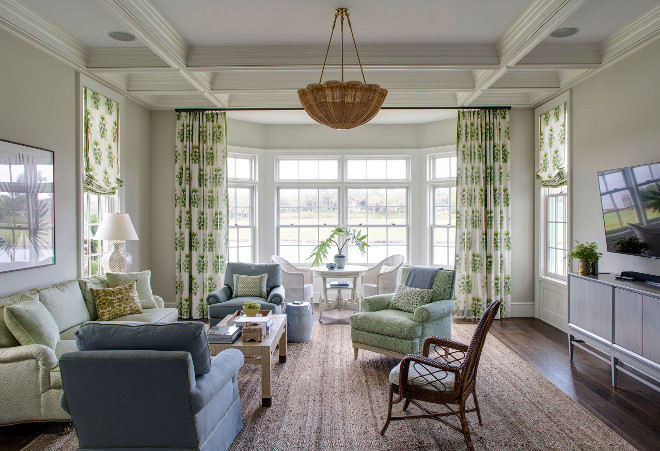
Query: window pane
<point x="376" y="169"/>
<point x="328" y="169"/>
<point x="442" y="168"/>
<point x="288" y="169"/>
<point x="397" y="169"/>
<point x="243" y="168"/>
<point x="356" y="169"/>
<point x="309" y="169"/>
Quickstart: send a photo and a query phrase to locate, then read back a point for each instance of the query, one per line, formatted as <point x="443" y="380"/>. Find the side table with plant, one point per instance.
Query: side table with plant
<point x="588" y="255"/>
<point x="339" y="236"/>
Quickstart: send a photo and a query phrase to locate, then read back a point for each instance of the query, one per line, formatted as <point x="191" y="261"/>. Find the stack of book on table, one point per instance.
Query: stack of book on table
<point x="223" y="334"/>
<point x="339" y="284"/>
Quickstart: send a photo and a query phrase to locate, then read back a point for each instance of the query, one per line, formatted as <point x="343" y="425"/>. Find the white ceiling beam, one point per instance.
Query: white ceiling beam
<point x="144" y="20"/>
<point x="637" y="33"/>
<point x="527" y="32"/>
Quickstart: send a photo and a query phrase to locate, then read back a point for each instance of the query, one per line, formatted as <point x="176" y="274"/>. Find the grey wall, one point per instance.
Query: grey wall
<point x="615" y="124"/>
<point x="38" y="107"/>
<point x="161" y="207"/>
<point x="522" y="211"/>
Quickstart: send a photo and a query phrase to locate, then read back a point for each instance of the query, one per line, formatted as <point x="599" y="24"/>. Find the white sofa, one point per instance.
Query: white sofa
<point x="31" y="383"/>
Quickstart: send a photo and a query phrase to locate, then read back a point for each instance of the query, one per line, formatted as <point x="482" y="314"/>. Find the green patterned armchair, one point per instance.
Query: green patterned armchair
<point x="396" y="333"/>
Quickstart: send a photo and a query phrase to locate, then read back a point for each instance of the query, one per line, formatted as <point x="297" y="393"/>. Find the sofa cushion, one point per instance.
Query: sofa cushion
<point x="189" y="336"/>
<point x="86" y="285"/>
<point x="254" y="286"/>
<point x="443" y="285"/>
<point x="31" y="323"/>
<point x="65" y="302"/>
<point x="69" y="334"/>
<point x="114" y="302"/>
<point x="65" y="346"/>
<point x="408" y="298"/>
<point x="7" y="339"/>
<point x="116" y="279"/>
<point x="395" y="323"/>
<point x="154" y="315"/>
<point x="273" y="270"/>
<point x="425" y="376"/>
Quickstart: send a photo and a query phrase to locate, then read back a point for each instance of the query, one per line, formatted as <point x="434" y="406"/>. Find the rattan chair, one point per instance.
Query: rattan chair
<point x="445" y="373"/>
<point x="381" y="278"/>
<point x="298" y="282"/>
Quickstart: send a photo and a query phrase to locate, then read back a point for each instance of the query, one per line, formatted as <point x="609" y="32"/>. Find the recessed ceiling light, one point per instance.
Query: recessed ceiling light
<point x="564" y="32"/>
<point x="122" y="36"/>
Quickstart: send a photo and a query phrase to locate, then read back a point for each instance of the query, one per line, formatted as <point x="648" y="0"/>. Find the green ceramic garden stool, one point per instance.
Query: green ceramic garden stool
<point x="299" y="322"/>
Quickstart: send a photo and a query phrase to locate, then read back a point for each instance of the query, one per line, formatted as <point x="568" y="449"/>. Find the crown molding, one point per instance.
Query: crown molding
<point x="640" y="31"/>
<point x="31" y="27"/>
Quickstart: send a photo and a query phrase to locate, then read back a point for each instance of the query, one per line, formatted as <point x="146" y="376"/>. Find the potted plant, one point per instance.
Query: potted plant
<point x="588" y="255"/>
<point x="251" y="308"/>
<point x="340" y="236"/>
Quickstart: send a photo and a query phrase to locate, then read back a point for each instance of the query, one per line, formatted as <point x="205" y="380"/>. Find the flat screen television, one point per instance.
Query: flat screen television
<point x="630" y="198"/>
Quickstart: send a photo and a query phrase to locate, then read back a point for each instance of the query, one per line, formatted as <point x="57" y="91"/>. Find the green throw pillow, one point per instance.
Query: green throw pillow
<point x="408" y="299"/>
<point x="117" y="279"/>
<point x="112" y="303"/>
<point x="253" y="286"/>
<point x="31" y="323"/>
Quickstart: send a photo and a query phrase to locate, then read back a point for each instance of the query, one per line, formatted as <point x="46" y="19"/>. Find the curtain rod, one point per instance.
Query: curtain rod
<point x="382" y="108"/>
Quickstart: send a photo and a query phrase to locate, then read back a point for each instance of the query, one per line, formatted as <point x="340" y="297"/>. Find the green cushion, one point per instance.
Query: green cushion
<point x="117" y="279"/>
<point x="254" y="286"/>
<point x="31" y="323"/>
<point x="425" y="376"/>
<point x="7" y="339"/>
<point x="86" y="285"/>
<point x="114" y="302"/>
<point x="394" y="323"/>
<point x="408" y="298"/>
<point x="65" y="302"/>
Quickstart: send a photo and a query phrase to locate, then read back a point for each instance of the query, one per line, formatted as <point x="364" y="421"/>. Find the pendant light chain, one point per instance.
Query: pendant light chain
<point x="342" y="12"/>
<point x="348" y="19"/>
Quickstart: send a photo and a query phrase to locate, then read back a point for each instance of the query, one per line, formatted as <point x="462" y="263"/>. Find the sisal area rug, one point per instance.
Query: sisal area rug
<point x="324" y="399"/>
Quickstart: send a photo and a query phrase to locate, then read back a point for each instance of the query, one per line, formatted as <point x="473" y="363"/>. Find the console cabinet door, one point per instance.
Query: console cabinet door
<point x="628" y="320"/>
<point x="579" y="302"/>
<point x="600" y="310"/>
<point x="651" y="329"/>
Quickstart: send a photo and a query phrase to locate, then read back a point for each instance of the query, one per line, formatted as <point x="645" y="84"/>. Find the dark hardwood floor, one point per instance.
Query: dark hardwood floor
<point x="632" y="410"/>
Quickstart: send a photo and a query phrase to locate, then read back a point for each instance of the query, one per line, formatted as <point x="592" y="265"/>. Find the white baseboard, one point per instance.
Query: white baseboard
<point x="522" y="309"/>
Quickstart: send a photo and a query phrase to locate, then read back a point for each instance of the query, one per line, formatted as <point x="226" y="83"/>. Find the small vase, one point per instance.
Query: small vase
<point x="340" y="260"/>
<point x="250" y="311"/>
<point x="588" y="268"/>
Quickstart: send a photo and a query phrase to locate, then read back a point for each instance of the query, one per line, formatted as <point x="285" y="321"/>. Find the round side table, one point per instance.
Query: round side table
<point x="299" y="322"/>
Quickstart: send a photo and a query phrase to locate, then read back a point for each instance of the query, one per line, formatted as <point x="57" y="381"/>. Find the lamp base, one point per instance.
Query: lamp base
<point x="117" y="260"/>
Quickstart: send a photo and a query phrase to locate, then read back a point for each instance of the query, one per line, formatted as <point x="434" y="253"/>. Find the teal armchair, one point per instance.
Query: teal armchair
<point x="396" y="333"/>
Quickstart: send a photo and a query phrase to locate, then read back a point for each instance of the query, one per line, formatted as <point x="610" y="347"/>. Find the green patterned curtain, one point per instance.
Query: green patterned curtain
<point x="201" y="209"/>
<point x="100" y="143"/>
<point x="552" y="147"/>
<point x="483" y="218"/>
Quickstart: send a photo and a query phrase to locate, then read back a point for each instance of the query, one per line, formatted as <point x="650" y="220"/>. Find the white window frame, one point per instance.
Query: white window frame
<point x="439" y="182"/>
<point x="343" y="185"/>
<point x="117" y="203"/>
<point x="547" y="248"/>
<point x="251" y="184"/>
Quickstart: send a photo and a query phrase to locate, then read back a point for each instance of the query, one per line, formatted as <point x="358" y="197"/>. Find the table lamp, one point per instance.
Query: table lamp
<point x="118" y="228"/>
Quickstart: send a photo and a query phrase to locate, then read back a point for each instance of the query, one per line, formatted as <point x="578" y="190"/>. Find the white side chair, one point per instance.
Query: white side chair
<point x="381" y="278"/>
<point x="298" y="283"/>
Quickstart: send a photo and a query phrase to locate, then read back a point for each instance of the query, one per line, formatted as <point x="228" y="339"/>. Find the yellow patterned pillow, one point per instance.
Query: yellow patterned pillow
<point x="253" y="286"/>
<point x="112" y="303"/>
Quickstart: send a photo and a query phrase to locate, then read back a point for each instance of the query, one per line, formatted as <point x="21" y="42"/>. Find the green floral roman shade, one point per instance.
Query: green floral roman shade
<point x="552" y="147"/>
<point x="201" y="208"/>
<point x="101" y="143"/>
<point x="483" y="217"/>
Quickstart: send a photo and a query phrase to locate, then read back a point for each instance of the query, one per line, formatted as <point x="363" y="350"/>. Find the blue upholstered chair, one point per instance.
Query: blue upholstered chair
<point x="151" y="386"/>
<point x="222" y="302"/>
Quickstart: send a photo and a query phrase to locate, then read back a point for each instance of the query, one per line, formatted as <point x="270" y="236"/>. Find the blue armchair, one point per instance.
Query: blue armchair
<point x="151" y="386"/>
<point x="221" y="303"/>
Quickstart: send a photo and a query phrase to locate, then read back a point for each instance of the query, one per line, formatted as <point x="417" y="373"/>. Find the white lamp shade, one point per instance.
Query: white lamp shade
<point x="116" y="226"/>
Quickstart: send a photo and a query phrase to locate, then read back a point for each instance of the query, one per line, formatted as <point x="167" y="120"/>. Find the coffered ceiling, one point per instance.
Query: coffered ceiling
<point x="257" y="53"/>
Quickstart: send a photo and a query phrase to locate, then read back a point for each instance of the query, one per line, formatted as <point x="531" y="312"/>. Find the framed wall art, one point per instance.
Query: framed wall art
<point x="27" y="207"/>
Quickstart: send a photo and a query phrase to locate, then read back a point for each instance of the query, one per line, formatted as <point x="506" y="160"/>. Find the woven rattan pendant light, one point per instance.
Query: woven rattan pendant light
<point x="338" y="104"/>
